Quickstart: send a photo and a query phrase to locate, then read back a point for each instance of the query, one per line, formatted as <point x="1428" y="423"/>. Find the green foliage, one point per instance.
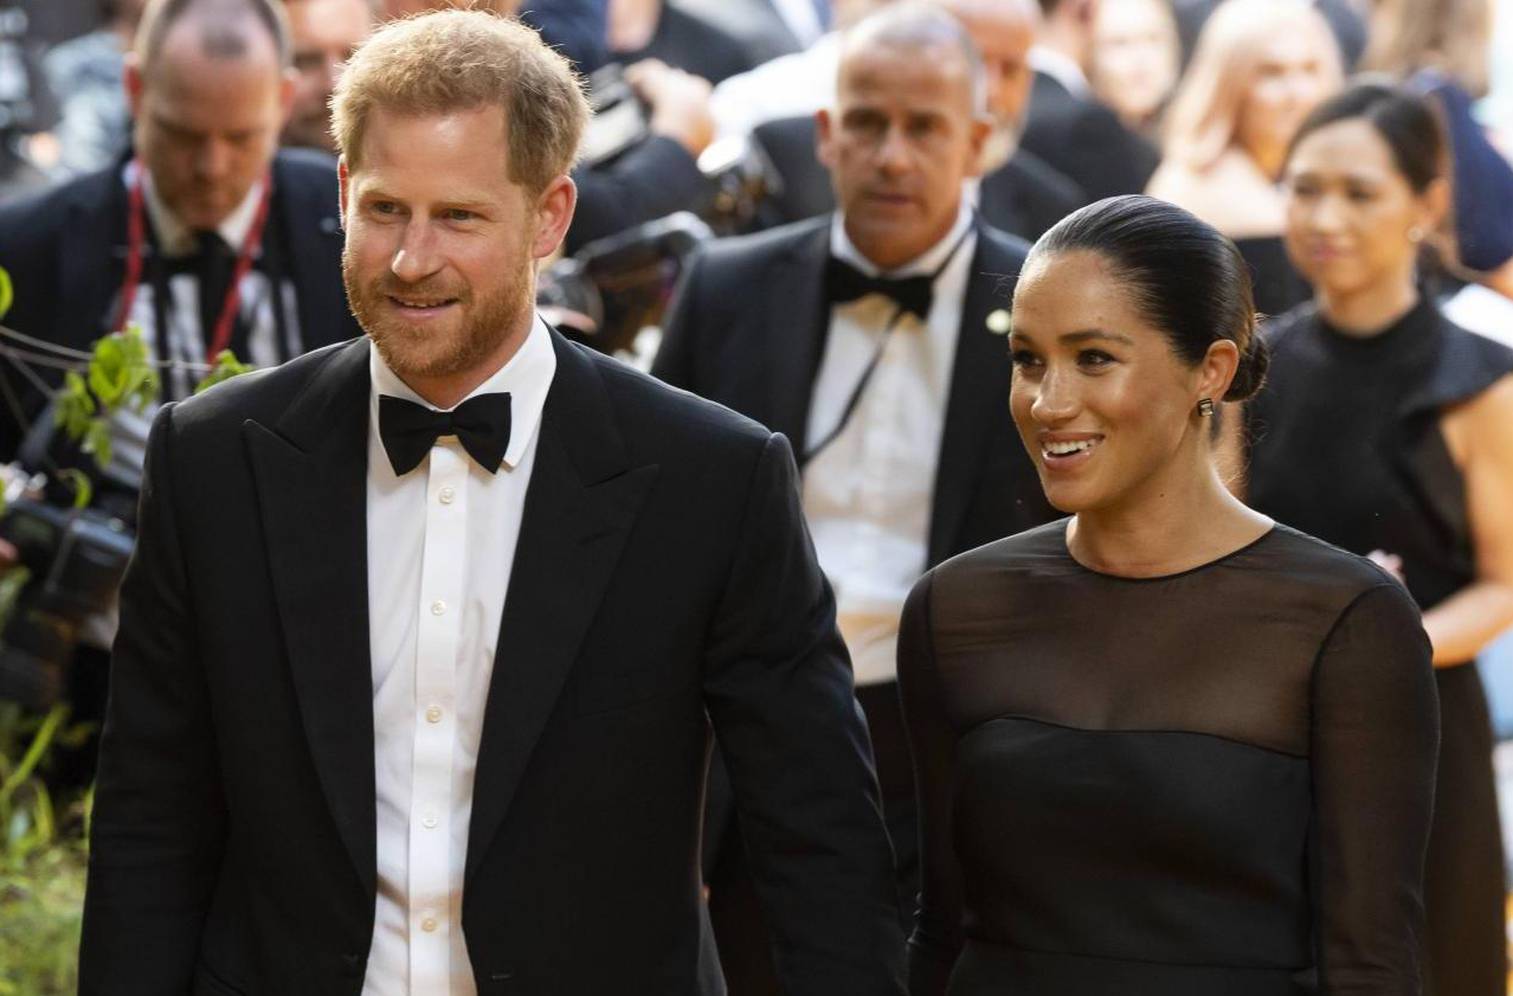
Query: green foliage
<point x="7" y="294"/>
<point x="43" y="857"/>
<point x="226" y="367"/>
<point x="120" y="375"/>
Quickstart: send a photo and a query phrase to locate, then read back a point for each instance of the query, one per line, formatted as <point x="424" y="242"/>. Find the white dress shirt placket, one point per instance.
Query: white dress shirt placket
<point x="438" y="632"/>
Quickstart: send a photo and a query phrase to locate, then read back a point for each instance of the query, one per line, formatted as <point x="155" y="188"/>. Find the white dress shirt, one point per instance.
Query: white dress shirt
<point x="441" y="544"/>
<point x="868" y="494"/>
<point x="186" y="340"/>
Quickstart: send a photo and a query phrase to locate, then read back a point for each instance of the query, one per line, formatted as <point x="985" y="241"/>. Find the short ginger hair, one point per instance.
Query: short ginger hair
<point x="459" y="60"/>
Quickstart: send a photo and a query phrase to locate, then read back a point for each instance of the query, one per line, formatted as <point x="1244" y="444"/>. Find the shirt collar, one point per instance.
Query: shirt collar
<point x="1062" y="68"/>
<point x="177" y="239"/>
<point x="842" y="248"/>
<point x="527" y="377"/>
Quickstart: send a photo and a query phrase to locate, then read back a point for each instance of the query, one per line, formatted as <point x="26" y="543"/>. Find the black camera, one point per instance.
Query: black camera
<point x="616" y="286"/>
<point x="75" y="559"/>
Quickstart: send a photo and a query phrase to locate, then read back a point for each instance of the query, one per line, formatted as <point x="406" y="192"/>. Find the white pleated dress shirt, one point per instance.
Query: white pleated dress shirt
<point x="868" y="494"/>
<point x="441" y="544"/>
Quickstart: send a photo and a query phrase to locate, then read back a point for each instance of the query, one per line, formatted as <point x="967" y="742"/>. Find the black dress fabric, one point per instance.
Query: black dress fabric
<point x="1346" y="445"/>
<point x="1214" y="782"/>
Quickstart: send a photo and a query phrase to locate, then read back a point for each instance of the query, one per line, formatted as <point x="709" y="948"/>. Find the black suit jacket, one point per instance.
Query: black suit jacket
<point x="748" y="329"/>
<point x="1086" y="141"/>
<point x="1024" y="197"/>
<point x="663" y="575"/>
<point x="66" y="251"/>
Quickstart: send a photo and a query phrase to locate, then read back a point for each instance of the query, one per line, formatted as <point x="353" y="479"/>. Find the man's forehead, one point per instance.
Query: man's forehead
<point x="923" y="74"/>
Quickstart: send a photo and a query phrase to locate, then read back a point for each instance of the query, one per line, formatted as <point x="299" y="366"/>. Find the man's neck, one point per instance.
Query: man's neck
<point x="888" y="258"/>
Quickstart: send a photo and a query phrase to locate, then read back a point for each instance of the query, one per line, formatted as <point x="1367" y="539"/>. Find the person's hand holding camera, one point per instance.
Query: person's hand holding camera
<point x="679" y="103"/>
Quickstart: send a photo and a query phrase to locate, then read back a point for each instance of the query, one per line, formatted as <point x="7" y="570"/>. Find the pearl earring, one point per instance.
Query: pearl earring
<point x="1415" y="234"/>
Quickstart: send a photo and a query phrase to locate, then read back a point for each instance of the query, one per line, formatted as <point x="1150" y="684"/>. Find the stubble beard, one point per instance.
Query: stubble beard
<point x="485" y="323"/>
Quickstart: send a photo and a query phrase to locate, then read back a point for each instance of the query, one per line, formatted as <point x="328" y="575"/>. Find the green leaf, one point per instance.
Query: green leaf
<point x="97" y="442"/>
<point x="79" y="481"/>
<point x="7" y="292"/>
<point x="226" y="367"/>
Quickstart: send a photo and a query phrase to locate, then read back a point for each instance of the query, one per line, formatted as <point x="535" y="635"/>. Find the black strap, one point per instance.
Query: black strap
<point x="877" y="354"/>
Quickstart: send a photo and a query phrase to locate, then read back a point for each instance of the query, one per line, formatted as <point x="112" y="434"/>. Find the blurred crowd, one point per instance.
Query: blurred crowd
<point x="707" y="106"/>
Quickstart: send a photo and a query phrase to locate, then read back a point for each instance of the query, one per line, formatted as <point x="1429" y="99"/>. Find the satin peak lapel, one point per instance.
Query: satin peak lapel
<point x="311" y="472"/>
<point x="582" y="501"/>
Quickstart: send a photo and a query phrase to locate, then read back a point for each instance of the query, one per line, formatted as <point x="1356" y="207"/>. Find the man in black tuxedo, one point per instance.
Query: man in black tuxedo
<point x="1066" y="125"/>
<point x="1019" y="192"/>
<point x="425" y="632"/>
<point x="874" y="339"/>
<point x="210" y="89"/>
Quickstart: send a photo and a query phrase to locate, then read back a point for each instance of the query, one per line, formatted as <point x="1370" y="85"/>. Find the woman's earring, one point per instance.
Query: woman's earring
<point x="1415" y="234"/>
<point x="1206" y="408"/>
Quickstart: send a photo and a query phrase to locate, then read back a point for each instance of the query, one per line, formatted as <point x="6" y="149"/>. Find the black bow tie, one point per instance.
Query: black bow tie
<point x="408" y="430"/>
<point x="844" y="283"/>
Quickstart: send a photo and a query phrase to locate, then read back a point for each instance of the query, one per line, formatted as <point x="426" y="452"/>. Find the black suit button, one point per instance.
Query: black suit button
<point x="503" y="975"/>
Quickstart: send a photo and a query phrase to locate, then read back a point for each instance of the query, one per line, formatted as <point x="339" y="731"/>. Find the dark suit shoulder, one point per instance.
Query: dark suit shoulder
<point x="758" y="247"/>
<point x="995" y="243"/>
<point x="262" y="395"/>
<point x="27" y="221"/>
<point x="653" y="414"/>
<point x="306" y="166"/>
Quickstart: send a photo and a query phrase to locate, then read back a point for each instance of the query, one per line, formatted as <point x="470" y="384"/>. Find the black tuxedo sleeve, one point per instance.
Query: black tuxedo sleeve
<point x="779" y="691"/>
<point x="159" y="818"/>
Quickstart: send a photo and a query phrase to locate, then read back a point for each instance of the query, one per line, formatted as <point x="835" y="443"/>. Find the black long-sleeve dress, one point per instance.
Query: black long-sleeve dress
<point x="1214" y="782"/>
<point x="1346" y="446"/>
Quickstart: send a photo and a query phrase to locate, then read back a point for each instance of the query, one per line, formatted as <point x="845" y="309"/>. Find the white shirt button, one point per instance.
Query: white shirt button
<point x="438" y="607"/>
<point x="433" y="714"/>
<point x="428" y="924"/>
<point x="429" y="822"/>
<point x="447" y="495"/>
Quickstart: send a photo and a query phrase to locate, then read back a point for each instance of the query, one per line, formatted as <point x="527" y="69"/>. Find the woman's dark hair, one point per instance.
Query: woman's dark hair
<point x="1186" y="278"/>
<point x="1404" y="120"/>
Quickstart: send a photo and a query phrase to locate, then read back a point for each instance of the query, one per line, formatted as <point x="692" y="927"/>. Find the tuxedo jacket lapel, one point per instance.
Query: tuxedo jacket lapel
<point x="979" y="390"/>
<point x="311" y="474"/>
<point x="798" y="317"/>
<point x="583" y="498"/>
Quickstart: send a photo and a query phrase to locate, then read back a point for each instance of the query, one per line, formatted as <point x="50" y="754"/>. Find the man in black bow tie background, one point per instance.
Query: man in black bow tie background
<point x="426" y="631"/>
<point x="875" y="339"/>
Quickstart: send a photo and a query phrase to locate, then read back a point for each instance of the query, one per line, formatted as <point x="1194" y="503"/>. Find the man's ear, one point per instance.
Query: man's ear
<point x="287" y="82"/>
<point x="554" y="213"/>
<point x="343" y="186"/>
<point x="824" y="138"/>
<point x="131" y="81"/>
<point x="981" y="131"/>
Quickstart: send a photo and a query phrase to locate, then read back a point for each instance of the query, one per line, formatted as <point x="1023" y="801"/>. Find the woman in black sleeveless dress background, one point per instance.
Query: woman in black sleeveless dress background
<point x="1164" y="747"/>
<point x="1388" y="431"/>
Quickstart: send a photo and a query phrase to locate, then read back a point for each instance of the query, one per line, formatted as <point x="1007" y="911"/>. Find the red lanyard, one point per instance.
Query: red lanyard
<point x="136" y="244"/>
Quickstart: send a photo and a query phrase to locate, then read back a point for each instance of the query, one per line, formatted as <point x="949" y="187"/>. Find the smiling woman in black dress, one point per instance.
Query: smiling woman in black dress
<point x="1388" y="430"/>
<point x="1164" y="747"/>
